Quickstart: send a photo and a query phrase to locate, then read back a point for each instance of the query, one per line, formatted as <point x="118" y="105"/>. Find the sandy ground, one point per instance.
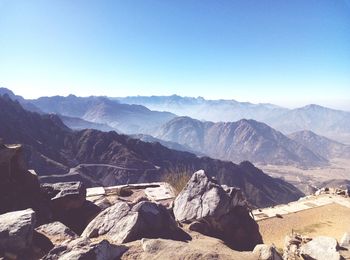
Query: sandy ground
<point x="330" y="220"/>
<point x="338" y="169"/>
<point x="198" y="248"/>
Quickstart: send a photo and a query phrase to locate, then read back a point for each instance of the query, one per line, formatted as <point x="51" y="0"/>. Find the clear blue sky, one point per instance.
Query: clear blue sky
<point x="286" y="52"/>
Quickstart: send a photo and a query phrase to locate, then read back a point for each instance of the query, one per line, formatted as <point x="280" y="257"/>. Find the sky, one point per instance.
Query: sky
<point x="286" y="52"/>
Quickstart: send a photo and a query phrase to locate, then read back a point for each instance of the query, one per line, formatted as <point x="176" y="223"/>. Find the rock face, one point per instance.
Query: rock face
<point x="19" y="188"/>
<point x="81" y="249"/>
<point x="121" y="223"/>
<point x="321" y="248"/>
<point x="56" y="232"/>
<point x="66" y="195"/>
<point x="69" y="204"/>
<point x="345" y="240"/>
<point x="217" y="211"/>
<point x="16" y="230"/>
<point x="265" y="252"/>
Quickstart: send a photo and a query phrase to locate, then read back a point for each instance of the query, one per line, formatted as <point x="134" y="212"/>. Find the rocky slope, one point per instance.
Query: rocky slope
<point x="239" y="141"/>
<point x="321" y="145"/>
<point x="105" y="159"/>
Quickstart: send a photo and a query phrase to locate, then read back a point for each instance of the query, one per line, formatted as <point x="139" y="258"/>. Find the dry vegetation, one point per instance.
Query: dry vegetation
<point x="178" y="177"/>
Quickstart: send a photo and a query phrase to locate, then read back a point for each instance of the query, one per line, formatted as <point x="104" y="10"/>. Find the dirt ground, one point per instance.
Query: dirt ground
<point x="330" y="220"/>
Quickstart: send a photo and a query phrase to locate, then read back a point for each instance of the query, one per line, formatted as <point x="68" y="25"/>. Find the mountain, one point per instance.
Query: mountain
<point x="332" y="123"/>
<point x="239" y="141"/>
<point x="321" y="145"/>
<point x="129" y="119"/>
<point x="170" y="145"/>
<point x="203" y="109"/>
<point x="321" y="120"/>
<point x="108" y="158"/>
<point x="77" y="123"/>
<point x="26" y="104"/>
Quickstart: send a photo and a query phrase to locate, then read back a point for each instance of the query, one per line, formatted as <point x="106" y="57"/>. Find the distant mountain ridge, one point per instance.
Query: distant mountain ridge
<point x="332" y="123"/>
<point x="321" y="145"/>
<point x="129" y="119"/>
<point x="108" y="158"/>
<point x="238" y="141"/>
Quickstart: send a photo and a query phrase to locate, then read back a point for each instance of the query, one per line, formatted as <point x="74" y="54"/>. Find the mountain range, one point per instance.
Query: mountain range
<point x="129" y="119"/>
<point x="331" y="123"/>
<point x="98" y="158"/>
<point x="239" y="141"/>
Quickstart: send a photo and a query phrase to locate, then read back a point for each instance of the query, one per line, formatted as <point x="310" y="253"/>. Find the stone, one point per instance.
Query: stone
<point x="122" y="223"/>
<point x="345" y="240"/>
<point x="266" y="252"/>
<point x="57" y="232"/>
<point x="217" y="211"/>
<point x="85" y="249"/>
<point x="20" y="188"/>
<point x="66" y="195"/>
<point x="16" y="230"/>
<point x="321" y="248"/>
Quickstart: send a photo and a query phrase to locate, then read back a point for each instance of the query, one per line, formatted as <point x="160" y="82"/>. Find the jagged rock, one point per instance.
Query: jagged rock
<point x="16" y="230"/>
<point x="345" y="240"/>
<point x="265" y="252"/>
<point x="84" y="249"/>
<point x="66" y="195"/>
<point x="57" y="232"/>
<point x="121" y="223"/>
<point x="77" y="219"/>
<point x="217" y="211"/>
<point x="321" y="248"/>
<point x="20" y="188"/>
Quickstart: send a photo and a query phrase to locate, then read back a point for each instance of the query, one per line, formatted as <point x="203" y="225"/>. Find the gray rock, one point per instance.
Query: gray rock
<point x="217" y="211"/>
<point x="265" y="252"/>
<point x="345" y="240"/>
<point x="121" y="223"/>
<point x="321" y="248"/>
<point x="204" y="197"/>
<point x="66" y="195"/>
<point x="57" y="232"/>
<point x="16" y="230"/>
<point x="84" y="249"/>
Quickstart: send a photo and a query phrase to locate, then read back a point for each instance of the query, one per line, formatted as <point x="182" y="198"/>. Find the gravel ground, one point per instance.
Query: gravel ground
<point x="331" y="220"/>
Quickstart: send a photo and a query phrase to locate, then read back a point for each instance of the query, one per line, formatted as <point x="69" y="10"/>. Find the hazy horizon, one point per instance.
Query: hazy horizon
<point x="290" y="53"/>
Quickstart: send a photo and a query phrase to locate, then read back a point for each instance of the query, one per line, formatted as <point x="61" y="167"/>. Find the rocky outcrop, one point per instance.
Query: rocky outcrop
<point x="19" y="188"/>
<point x="320" y="248"/>
<point x="266" y="252"/>
<point x="217" y="211"/>
<point x="56" y="232"/>
<point x="16" y="230"/>
<point x="66" y="195"/>
<point x="69" y="204"/>
<point x="345" y="240"/>
<point x="81" y="249"/>
<point x="122" y="223"/>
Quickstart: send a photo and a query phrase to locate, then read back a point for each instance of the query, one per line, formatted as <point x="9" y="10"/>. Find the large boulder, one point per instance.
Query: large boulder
<point x="66" y="195"/>
<point x="303" y="247"/>
<point x="321" y="248"/>
<point x="57" y="232"/>
<point x="217" y="211"/>
<point x="20" y="188"/>
<point x="69" y="204"/>
<point x="85" y="249"/>
<point x="266" y="252"/>
<point x="16" y="230"/>
<point x="122" y="223"/>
